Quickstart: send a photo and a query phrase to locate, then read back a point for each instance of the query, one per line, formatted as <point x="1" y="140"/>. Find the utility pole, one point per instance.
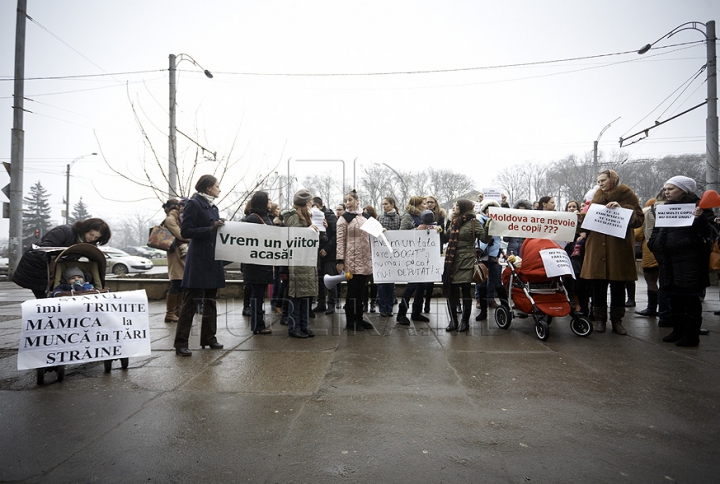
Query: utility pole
<point x="711" y="127"/>
<point x="17" y="143"/>
<point x="172" y="136"/>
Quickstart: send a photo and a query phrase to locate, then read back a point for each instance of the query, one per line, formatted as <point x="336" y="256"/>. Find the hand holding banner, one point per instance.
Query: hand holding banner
<point x="608" y="221"/>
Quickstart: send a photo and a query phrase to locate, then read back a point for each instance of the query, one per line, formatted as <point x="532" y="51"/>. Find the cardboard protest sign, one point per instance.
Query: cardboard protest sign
<point x="674" y="215"/>
<point x="414" y="256"/>
<point x="557" y="263"/>
<point x="266" y="245"/>
<point x="608" y="221"/>
<point x="507" y="222"/>
<point x="83" y="328"/>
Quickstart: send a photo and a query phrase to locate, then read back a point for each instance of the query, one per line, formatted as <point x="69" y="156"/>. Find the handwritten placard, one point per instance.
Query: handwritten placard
<point x="83" y="328"/>
<point x="414" y="256"/>
<point x="557" y="263"/>
<point x="674" y="215"/>
<point x="507" y="222"/>
<point x="608" y="221"/>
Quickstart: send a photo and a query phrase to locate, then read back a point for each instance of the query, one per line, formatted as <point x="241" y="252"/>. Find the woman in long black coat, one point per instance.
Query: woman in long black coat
<point x="203" y="274"/>
<point x="255" y="275"/>
<point x="682" y="254"/>
<point x="32" y="270"/>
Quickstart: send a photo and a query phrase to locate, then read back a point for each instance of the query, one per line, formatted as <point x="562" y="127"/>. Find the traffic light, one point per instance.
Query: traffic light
<point x="37" y="233"/>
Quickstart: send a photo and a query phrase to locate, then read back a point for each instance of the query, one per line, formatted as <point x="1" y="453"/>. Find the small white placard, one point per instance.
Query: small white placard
<point x="608" y="221"/>
<point x="674" y="215"/>
<point x="557" y="263"/>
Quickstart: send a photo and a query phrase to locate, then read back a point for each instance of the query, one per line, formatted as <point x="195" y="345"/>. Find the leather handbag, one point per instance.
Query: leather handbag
<point x="160" y="238"/>
<point x="480" y="270"/>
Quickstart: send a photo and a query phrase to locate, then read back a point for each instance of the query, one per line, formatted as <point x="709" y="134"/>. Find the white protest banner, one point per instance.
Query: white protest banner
<point x="608" y="221"/>
<point x="674" y="215"/>
<point x="556" y="263"/>
<point x="414" y="256"/>
<point x="375" y="228"/>
<point x="83" y="328"/>
<point x="318" y="217"/>
<point x="538" y="224"/>
<point x="492" y="193"/>
<point x="266" y="245"/>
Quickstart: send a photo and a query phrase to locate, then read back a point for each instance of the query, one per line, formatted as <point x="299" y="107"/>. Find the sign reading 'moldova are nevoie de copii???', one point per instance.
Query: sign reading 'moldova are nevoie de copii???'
<point x="83" y="328"/>
<point x="266" y="245"/>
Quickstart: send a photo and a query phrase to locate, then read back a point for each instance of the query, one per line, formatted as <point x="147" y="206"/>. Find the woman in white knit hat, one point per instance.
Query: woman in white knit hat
<point x="683" y="257"/>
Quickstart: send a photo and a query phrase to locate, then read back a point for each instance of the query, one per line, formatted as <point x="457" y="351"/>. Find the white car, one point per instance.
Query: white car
<point x="121" y="263"/>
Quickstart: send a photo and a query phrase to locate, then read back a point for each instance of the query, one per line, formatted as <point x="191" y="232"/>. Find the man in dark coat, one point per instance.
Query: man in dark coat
<point x="326" y="259"/>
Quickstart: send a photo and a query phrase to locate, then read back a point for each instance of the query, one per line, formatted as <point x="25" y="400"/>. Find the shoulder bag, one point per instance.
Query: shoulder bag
<point x="160" y="238"/>
<point x="480" y="270"/>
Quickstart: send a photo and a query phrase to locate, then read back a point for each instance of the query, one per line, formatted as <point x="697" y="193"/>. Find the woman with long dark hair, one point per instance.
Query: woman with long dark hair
<point x="32" y="270"/>
<point x="460" y="261"/>
<point x="203" y="274"/>
<point x="255" y="275"/>
<point x="390" y="220"/>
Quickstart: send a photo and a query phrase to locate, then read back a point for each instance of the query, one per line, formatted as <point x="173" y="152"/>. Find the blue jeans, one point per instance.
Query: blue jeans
<point x="386" y="297"/>
<point x="298" y="313"/>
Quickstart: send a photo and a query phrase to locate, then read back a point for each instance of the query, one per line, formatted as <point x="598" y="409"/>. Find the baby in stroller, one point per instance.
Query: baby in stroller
<point x="75" y="282"/>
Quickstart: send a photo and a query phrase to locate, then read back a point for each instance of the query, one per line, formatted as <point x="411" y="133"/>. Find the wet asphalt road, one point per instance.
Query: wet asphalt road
<point x="392" y="405"/>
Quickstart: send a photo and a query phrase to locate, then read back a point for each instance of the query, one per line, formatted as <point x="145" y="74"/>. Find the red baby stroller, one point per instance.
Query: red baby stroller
<point x="531" y="293"/>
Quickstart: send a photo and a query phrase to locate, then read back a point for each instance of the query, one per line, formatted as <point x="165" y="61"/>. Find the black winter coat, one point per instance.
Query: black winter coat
<point x="202" y="271"/>
<point x="328" y="239"/>
<point x="32" y="270"/>
<point x="256" y="273"/>
<point x="683" y="252"/>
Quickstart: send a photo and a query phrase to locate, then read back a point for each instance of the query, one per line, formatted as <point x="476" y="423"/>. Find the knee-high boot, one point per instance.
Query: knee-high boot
<point x="483" y="310"/>
<point x="453" y="326"/>
<point x="616" y="315"/>
<point x="465" y="321"/>
<point x="171" y="304"/>
<point x="651" y="310"/>
<point x="692" y="332"/>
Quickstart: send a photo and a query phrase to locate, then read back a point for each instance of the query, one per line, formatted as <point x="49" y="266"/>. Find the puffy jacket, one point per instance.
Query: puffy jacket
<point x="683" y="252"/>
<point x="353" y="244"/>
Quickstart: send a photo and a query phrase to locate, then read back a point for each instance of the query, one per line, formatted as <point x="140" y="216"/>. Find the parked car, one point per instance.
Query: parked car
<point x="138" y="251"/>
<point x="120" y="262"/>
<point x="155" y="253"/>
<point x="4" y="266"/>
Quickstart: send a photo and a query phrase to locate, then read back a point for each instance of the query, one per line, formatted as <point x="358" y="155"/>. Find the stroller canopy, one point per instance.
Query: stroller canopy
<point x="532" y="268"/>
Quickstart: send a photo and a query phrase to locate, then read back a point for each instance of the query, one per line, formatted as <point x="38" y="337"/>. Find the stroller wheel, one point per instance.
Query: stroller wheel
<point x="124" y="363"/>
<point x="541" y="328"/>
<point x="60" y="372"/>
<point x="108" y="365"/>
<point x="503" y="316"/>
<point x="581" y="326"/>
<point x="40" y="375"/>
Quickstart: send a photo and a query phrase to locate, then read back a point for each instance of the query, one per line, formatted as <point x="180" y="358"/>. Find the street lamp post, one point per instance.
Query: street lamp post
<point x="711" y="124"/>
<point x="595" y="146"/>
<point x="67" y="185"/>
<point x="172" y="135"/>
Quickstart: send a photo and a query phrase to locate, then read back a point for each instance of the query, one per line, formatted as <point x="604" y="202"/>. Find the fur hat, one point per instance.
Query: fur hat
<point x="684" y="183"/>
<point x="523" y="202"/>
<point x="488" y="203"/>
<point x="72" y="272"/>
<point x="302" y="197"/>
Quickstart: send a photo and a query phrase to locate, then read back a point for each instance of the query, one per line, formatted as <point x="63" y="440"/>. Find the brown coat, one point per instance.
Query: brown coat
<point x="176" y="264"/>
<point x="648" y="259"/>
<point x="612" y="258"/>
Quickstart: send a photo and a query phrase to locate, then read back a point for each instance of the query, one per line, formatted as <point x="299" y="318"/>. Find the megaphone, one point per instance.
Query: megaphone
<point x="332" y="281"/>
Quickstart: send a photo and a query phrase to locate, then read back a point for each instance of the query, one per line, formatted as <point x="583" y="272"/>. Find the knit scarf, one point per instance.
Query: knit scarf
<point x="452" y="246"/>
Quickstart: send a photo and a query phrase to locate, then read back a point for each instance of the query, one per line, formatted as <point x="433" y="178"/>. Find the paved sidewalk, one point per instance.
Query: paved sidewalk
<point x="393" y="405"/>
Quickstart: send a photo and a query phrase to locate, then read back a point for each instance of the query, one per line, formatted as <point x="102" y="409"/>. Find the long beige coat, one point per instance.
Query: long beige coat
<point x="353" y="246"/>
<point x="176" y="264"/>
<point x="612" y="258"/>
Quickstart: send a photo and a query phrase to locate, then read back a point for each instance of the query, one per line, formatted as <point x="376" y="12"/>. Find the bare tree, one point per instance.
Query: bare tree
<point x="323" y="186"/>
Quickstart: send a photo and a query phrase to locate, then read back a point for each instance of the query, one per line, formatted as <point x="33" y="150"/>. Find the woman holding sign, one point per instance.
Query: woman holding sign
<point x="683" y="256"/>
<point x="257" y="276"/>
<point x="355" y="258"/>
<point x="610" y="260"/>
<point x="460" y="261"/>
<point x="203" y="275"/>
